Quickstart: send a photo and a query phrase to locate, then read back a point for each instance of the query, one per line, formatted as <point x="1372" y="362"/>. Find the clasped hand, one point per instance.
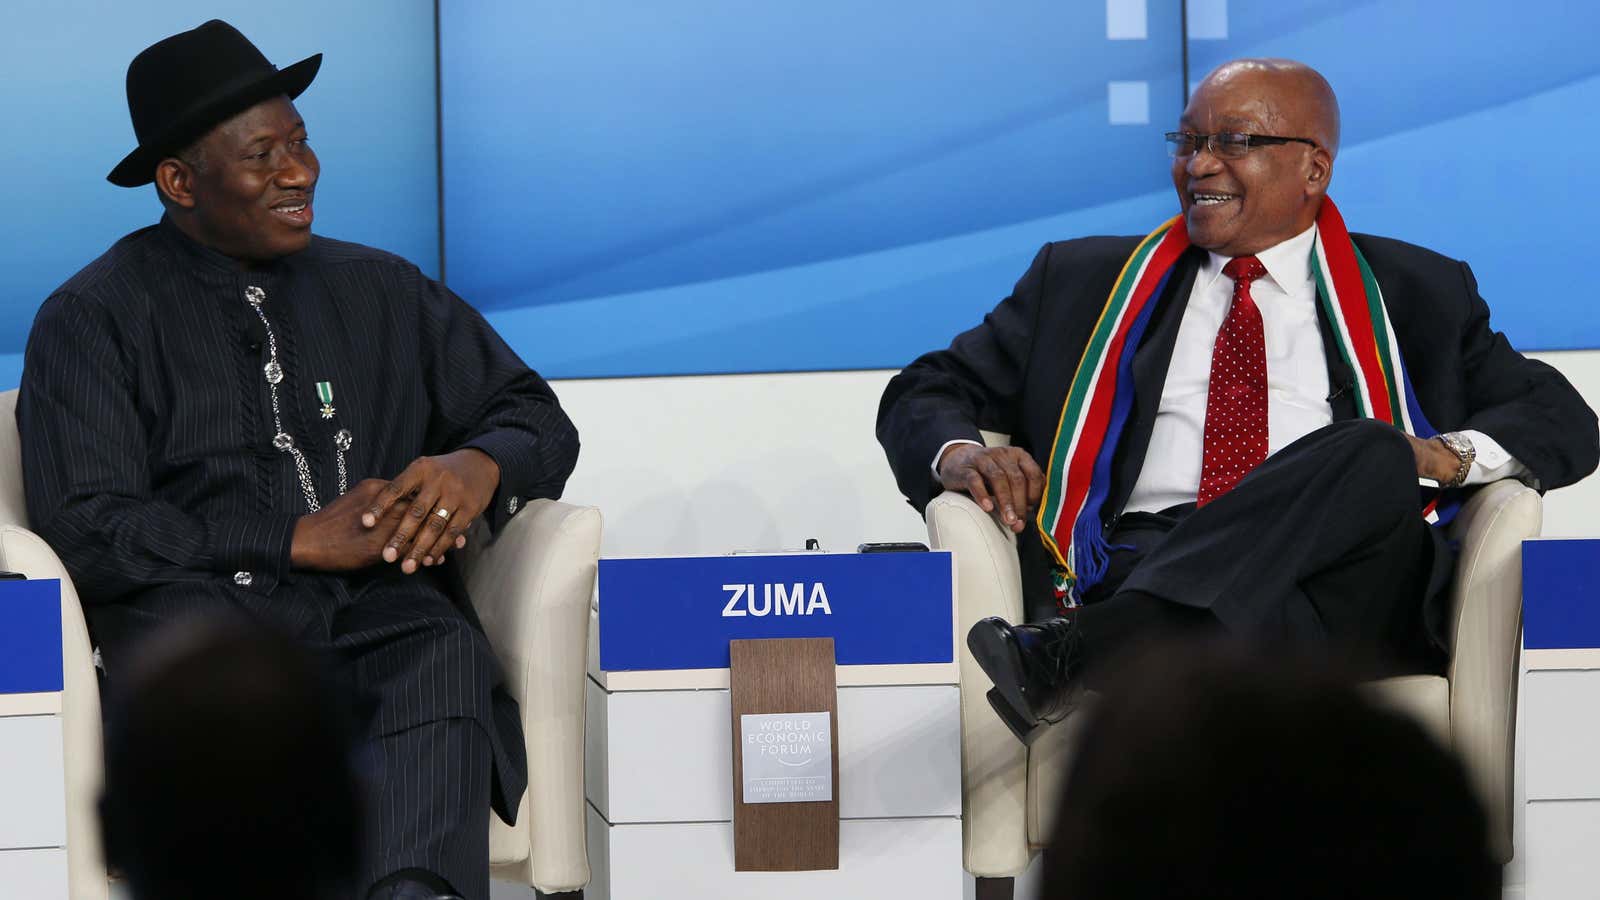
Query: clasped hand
<point x="413" y="520"/>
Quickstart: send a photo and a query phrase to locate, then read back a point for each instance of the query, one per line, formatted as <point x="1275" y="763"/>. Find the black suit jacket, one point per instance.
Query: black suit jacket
<point x="1011" y="373"/>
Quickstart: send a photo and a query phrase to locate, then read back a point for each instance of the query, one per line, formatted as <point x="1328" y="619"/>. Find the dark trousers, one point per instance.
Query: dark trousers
<point x="439" y="736"/>
<point x="430" y="805"/>
<point x="423" y="675"/>
<point x="1323" y="544"/>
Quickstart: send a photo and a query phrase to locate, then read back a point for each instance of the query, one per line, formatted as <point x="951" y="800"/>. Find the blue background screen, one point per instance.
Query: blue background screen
<point x="715" y="186"/>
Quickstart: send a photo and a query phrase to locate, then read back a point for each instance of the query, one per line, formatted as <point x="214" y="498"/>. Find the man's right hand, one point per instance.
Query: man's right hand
<point x="334" y="540"/>
<point x="1006" y="478"/>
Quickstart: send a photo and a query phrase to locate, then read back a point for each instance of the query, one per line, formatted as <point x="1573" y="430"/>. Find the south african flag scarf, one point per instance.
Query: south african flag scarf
<point x="1100" y="397"/>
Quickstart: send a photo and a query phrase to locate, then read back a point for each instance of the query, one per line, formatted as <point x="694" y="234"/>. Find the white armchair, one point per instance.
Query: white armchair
<point x="1009" y="791"/>
<point x="531" y="588"/>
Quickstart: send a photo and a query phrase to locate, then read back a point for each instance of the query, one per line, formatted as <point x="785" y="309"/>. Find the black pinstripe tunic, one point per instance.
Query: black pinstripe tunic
<point x="147" y="446"/>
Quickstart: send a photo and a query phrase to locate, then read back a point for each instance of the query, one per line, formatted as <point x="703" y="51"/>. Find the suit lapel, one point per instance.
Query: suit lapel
<point x="1150" y="363"/>
<point x="1341" y="378"/>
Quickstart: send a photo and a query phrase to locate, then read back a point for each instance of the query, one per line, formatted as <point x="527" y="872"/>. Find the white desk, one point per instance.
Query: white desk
<point x="33" y="797"/>
<point x="1561" y="719"/>
<point x="658" y="776"/>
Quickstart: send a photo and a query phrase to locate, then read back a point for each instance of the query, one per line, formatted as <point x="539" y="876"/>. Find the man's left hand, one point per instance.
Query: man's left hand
<point x="1434" y="459"/>
<point x="446" y="493"/>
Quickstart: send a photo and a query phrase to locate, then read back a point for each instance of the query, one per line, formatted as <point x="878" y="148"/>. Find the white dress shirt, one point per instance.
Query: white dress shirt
<point x="1297" y="378"/>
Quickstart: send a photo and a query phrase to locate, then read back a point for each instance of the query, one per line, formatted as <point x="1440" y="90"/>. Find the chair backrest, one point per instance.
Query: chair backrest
<point x="13" y="508"/>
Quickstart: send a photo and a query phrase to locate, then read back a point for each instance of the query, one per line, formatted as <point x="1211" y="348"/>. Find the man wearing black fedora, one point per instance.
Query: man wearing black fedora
<point x="225" y="413"/>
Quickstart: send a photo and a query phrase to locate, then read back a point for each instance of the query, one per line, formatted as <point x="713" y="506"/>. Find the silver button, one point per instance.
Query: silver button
<point x="273" y="371"/>
<point x="282" y="441"/>
<point x="255" y="295"/>
<point x="512" y="504"/>
<point x="342" y="440"/>
<point x="243" y="579"/>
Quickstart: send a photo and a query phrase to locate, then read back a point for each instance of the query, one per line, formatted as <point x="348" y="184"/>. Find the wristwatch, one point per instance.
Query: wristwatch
<point x="1461" y="446"/>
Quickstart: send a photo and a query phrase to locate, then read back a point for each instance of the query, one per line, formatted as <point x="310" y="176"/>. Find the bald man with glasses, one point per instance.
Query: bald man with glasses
<point x="1250" y="421"/>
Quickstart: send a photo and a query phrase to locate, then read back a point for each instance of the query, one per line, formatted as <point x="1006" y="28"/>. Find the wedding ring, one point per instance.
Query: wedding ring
<point x="442" y="513"/>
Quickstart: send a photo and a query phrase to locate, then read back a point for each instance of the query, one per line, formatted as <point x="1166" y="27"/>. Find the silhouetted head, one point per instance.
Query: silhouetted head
<point x="228" y="770"/>
<point x="1206" y="773"/>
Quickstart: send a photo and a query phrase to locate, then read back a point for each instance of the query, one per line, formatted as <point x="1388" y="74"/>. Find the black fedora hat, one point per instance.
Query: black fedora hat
<point x="182" y="86"/>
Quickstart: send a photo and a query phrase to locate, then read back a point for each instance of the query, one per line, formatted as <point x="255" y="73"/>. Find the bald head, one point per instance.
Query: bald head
<point x="1254" y="193"/>
<point x="1302" y="97"/>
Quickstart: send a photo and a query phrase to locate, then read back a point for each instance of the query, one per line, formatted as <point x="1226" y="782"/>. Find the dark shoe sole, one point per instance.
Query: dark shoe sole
<point x="1014" y="720"/>
<point x="995" y="649"/>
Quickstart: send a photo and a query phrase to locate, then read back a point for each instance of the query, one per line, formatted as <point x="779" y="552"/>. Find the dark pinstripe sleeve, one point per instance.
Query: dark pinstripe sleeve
<point x="484" y="396"/>
<point x="85" y="457"/>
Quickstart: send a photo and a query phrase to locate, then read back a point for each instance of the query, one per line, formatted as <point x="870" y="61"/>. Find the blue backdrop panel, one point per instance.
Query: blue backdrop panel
<point x="370" y="115"/>
<point x="1467" y="126"/>
<point x="714" y="185"/>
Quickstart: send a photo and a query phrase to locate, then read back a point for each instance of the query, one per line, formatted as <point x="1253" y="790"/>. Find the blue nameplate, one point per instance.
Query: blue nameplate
<point x="1560" y="594"/>
<point x="30" y="636"/>
<point x="681" y="612"/>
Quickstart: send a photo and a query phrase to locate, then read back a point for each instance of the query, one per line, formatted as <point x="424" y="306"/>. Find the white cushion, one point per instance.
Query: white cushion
<point x="1425" y="698"/>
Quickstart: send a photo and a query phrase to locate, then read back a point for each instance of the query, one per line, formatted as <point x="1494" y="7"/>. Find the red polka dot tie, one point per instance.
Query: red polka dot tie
<point x="1236" y="401"/>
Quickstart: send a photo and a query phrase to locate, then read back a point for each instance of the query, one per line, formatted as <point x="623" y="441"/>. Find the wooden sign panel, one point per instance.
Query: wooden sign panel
<point x="774" y="685"/>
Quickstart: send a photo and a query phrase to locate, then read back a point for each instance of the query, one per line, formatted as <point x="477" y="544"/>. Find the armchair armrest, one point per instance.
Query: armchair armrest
<point x="994" y="765"/>
<point x="531" y="589"/>
<point x="1486" y="627"/>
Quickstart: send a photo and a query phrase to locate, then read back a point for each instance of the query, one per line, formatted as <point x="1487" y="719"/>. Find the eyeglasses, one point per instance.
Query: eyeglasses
<point x="1226" y="145"/>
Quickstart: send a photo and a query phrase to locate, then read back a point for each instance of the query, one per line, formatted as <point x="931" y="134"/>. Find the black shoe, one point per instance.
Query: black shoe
<point x="1032" y="668"/>
<point x="414" y="890"/>
<point x="413" y="884"/>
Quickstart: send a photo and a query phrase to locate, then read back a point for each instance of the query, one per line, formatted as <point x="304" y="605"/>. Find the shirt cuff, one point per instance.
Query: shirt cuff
<point x="934" y="467"/>
<point x="253" y="550"/>
<point x="1491" y="462"/>
<point x="509" y="453"/>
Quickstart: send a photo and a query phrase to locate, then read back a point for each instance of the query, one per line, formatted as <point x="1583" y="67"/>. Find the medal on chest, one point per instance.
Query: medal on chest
<point x="325" y="394"/>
